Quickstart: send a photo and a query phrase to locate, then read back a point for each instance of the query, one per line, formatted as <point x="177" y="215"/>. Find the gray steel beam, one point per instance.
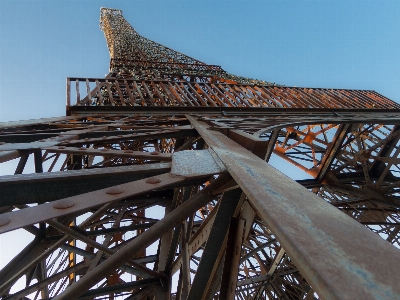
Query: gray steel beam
<point x="329" y="248"/>
<point x="118" y="288"/>
<point x="46" y="187"/>
<point x="142" y="241"/>
<point x="335" y="113"/>
<point x="215" y="246"/>
<point x="14" y="124"/>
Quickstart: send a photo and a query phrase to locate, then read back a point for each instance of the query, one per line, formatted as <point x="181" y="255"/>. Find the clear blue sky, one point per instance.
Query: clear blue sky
<point x="338" y="44"/>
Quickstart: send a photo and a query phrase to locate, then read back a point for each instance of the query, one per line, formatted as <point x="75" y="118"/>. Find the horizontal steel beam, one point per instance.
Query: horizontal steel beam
<point x="142" y="241"/>
<point x="13" y="124"/>
<point x="31" y="215"/>
<point x="46" y="187"/>
<point x="253" y="111"/>
<point x="118" y="288"/>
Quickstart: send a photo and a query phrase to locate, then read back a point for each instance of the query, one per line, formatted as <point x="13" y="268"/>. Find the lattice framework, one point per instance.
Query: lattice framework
<point x="166" y="133"/>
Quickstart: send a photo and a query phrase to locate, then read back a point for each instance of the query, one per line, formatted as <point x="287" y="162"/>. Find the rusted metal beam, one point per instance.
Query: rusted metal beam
<point x="232" y="259"/>
<point x="14" y="124"/>
<point x="332" y="150"/>
<point x="118" y="288"/>
<point x="141" y="294"/>
<point x="45" y="187"/>
<point x="287" y="97"/>
<point x="310" y="229"/>
<point x="12" y="274"/>
<point x="21" y="163"/>
<point x="142" y="241"/>
<point x="111" y="153"/>
<point x="9" y="155"/>
<point x="334" y="116"/>
<point x="254" y="144"/>
<point x="76" y="204"/>
<point x="42" y="284"/>
<point x="215" y="246"/>
<point x="196" y="241"/>
<point x="238" y="232"/>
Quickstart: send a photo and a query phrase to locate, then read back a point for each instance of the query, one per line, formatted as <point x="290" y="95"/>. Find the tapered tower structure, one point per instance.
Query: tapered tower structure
<point x="156" y="185"/>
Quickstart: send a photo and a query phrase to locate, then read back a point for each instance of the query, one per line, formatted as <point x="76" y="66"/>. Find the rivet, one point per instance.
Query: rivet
<point x="114" y="191"/>
<point x="82" y="149"/>
<point x="86" y="139"/>
<point x="104" y="149"/>
<point x="104" y="137"/>
<point x="4" y="221"/>
<point x="120" y="135"/>
<point x="64" y="204"/>
<point x="153" y="180"/>
<point x="154" y="153"/>
<point x="42" y="140"/>
<point x="61" y="147"/>
<point x="128" y="151"/>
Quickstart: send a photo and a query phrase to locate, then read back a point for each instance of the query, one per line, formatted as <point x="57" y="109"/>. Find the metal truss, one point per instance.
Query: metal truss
<point x="160" y="187"/>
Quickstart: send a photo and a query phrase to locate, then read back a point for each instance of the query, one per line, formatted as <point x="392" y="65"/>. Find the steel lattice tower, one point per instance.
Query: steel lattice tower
<point x="163" y="132"/>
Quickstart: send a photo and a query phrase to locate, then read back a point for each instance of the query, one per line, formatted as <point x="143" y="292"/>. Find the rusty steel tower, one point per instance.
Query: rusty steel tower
<point x="156" y="185"/>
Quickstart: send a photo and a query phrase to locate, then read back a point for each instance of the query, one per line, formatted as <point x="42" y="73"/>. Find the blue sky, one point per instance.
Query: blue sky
<point x="337" y="44"/>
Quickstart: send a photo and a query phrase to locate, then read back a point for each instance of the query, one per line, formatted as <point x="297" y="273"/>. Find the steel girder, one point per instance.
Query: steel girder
<point x="158" y="184"/>
<point x="277" y="241"/>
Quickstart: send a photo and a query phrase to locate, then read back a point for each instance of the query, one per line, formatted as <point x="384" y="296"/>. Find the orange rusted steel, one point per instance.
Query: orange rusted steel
<point x="155" y="152"/>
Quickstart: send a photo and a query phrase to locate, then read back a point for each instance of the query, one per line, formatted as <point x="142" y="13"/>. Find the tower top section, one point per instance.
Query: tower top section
<point x="144" y="73"/>
<point x="134" y="56"/>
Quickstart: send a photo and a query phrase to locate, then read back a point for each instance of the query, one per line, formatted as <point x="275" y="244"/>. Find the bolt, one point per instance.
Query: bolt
<point x="4" y="221"/>
<point x="114" y="191"/>
<point x="64" y="204"/>
<point x="153" y="180"/>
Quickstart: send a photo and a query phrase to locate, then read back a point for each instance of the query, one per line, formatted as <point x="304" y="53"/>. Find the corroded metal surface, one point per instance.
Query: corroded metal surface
<point x="128" y="197"/>
<point x="195" y="163"/>
<point x="157" y="92"/>
<point x="310" y="229"/>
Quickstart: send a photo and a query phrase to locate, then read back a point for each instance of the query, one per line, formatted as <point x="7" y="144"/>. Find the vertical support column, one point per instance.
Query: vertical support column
<point x="21" y="163"/>
<point x="38" y="161"/>
<point x="215" y="246"/>
<point x="74" y="162"/>
<point x="141" y="214"/>
<point x="72" y="258"/>
<point x="232" y="259"/>
<point x="165" y="244"/>
<point x="185" y="268"/>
